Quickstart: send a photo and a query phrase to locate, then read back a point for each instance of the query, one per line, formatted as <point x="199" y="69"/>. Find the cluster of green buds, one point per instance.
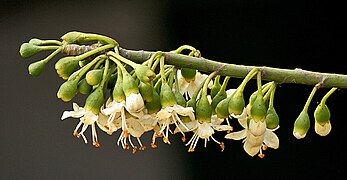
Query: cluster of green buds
<point x="153" y="96"/>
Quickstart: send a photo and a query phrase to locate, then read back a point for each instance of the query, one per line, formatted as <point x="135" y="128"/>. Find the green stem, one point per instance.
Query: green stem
<point x="162" y="69"/>
<point x="208" y="79"/>
<point x="280" y="76"/>
<point x="123" y="59"/>
<point x="325" y="97"/>
<point x="54" y="53"/>
<point x="47" y="48"/>
<point x="248" y="77"/>
<point x="272" y="95"/>
<point x="307" y="104"/>
<point x="225" y="83"/>
<point x="259" y="82"/>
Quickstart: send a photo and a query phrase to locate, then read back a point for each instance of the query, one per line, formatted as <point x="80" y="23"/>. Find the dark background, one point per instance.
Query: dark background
<point x="35" y="144"/>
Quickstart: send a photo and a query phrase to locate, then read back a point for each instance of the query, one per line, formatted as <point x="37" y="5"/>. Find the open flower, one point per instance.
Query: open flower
<point x="170" y="115"/>
<point x="205" y="130"/>
<point x="87" y="118"/>
<point x="256" y="137"/>
<point x="189" y="87"/>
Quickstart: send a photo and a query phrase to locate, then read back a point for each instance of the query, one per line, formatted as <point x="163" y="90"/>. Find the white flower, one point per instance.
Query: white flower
<point x="170" y="115"/>
<point x="189" y="88"/>
<point x="86" y="118"/>
<point x="256" y="137"/>
<point x="205" y="131"/>
<point x="322" y="130"/>
<point x="130" y="126"/>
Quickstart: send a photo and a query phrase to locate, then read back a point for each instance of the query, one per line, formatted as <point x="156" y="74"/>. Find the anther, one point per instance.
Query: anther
<point x="222" y="146"/>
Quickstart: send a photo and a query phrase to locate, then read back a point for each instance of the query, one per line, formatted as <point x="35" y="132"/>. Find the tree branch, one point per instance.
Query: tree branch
<point x="282" y="76"/>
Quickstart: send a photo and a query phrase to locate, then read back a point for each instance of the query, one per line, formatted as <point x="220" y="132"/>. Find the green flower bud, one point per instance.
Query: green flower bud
<point x="95" y="100"/>
<point x="180" y="99"/>
<point x="67" y="90"/>
<point x="84" y="87"/>
<point x="218" y="98"/>
<point x="36" y="68"/>
<point x="129" y="84"/>
<point x="301" y="125"/>
<point x="236" y="103"/>
<point x="146" y="91"/>
<point x="74" y="37"/>
<point x="222" y="108"/>
<point x="112" y="81"/>
<point x="66" y="66"/>
<point x="188" y="74"/>
<point x="216" y="87"/>
<point x="27" y="50"/>
<point x="203" y="110"/>
<point x="155" y="105"/>
<point x="167" y="97"/>
<point x="272" y="119"/>
<point x="258" y="108"/>
<point x="322" y="114"/>
<point x="144" y="73"/>
<point x="94" y="77"/>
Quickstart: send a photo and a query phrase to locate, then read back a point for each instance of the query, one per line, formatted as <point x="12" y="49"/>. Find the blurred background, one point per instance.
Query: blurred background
<point x="305" y="34"/>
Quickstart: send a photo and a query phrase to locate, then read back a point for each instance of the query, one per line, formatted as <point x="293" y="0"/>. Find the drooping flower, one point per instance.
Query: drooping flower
<point x="205" y="131"/>
<point x="87" y="117"/>
<point x="189" y="87"/>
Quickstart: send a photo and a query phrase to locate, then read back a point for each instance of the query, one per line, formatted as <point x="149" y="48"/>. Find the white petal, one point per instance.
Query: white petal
<point x="75" y="114"/>
<point x="89" y="118"/>
<point x="254" y="140"/>
<point x="322" y="130"/>
<point x="271" y="139"/>
<point x="257" y="128"/>
<point x="251" y="150"/>
<point x="135" y="128"/>
<point x="222" y="128"/>
<point x="215" y="120"/>
<point x="148" y="122"/>
<point x="182" y="83"/>
<point x="184" y="111"/>
<point x="101" y="122"/>
<point x="163" y="114"/>
<point x="113" y="107"/>
<point x="237" y="135"/>
<point x="205" y="130"/>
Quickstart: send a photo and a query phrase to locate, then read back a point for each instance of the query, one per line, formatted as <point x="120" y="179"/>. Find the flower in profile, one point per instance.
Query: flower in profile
<point x="257" y="142"/>
<point x="205" y="131"/>
<point x="189" y="86"/>
<point x="87" y="117"/>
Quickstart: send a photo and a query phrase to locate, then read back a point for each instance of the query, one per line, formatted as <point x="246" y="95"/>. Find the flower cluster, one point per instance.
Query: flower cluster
<point x="159" y="98"/>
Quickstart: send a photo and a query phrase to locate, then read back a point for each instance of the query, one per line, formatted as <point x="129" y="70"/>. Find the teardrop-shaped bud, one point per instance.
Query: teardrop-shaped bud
<point x="203" y="110"/>
<point x="301" y="125"/>
<point x="258" y="108"/>
<point x="180" y="99"/>
<point x="84" y="87"/>
<point x="272" y="119"/>
<point x="216" y="87"/>
<point x="222" y="108"/>
<point x="27" y="50"/>
<point x="67" y="90"/>
<point x="167" y="97"/>
<point x="191" y="103"/>
<point x="144" y="73"/>
<point x="112" y="81"/>
<point x="236" y="103"/>
<point x="66" y="66"/>
<point x="154" y="106"/>
<point x="129" y="84"/>
<point x="74" y="37"/>
<point x="322" y="114"/>
<point x="36" y="41"/>
<point x="36" y="68"/>
<point x="218" y="98"/>
<point x="188" y="74"/>
<point x="146" y="91"/>
<point x="95" y="100"/>
<point x="94" y="77"/>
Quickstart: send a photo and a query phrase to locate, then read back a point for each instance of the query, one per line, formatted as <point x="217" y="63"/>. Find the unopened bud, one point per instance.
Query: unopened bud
<point x="95" y="100"/>
<point x="146" y="91"/>
<point x="84" y="87"/>
<point x="66" y="66"/>
<point x="154" y="106"/>
<point x="167" y="97"/>
<point x="203" y="110"/>
<point x="236" y="103"/>
<point x="301" y="125"/>
<point x="67" y="90"/>
<point x="188" y="74"/>
<point x="272" y="119"/>
<point x="144" y="73"/>
<point x="36" y="68"/>
<point x="258" y="108"/>
<point x="94" y="77"/>
<point x="222" y="109"/>
<point x="27" y="50"/>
